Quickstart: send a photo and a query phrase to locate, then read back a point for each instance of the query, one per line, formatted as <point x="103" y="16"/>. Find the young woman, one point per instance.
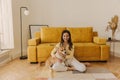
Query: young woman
<point x="70" y="63"/>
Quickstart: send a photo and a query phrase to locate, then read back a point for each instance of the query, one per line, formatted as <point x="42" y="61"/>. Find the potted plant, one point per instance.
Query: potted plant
<point x="113" y="24"/>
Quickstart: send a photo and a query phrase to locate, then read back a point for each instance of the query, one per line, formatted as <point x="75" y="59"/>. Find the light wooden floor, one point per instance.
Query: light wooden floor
<point x="23" y="70"/>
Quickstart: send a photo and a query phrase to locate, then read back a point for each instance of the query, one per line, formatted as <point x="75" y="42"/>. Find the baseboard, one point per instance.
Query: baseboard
<point x="16" y="55"/>
<point x="117" y="54"/>
<point x="5" y="61"/>
<point x="4" y="57"/>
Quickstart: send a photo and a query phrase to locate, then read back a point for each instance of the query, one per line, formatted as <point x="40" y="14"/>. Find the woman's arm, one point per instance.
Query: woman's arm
<point x="55" y="50"/>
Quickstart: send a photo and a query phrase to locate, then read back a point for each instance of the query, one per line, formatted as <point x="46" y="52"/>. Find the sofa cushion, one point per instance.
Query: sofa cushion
<point x="37" y="35"/>
<point x="87" y="51"/>
<point x="99" y="40"/>
<point x="81" y="34"/>
<point x="44" y="49"/>
<point x="51" y="34"/>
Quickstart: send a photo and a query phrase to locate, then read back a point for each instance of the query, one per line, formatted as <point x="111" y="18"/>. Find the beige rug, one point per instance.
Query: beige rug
<point x="96" y="73"/>
<point x="94" y="70"/>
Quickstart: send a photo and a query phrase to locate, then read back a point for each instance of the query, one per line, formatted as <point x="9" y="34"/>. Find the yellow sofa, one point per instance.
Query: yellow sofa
<point x="88" y="46"/>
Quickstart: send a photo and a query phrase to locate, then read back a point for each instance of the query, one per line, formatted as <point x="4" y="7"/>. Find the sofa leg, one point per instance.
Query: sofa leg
<point x="42" y="63"/>
<point x="33" y="62"/>
<point x="104" y="61"/>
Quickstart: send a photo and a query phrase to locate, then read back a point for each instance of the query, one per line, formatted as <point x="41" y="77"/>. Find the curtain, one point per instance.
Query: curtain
<point x="6" y="25"/>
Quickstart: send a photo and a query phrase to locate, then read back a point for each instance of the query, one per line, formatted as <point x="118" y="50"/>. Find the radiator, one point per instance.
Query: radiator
<point x="4" y="57"/>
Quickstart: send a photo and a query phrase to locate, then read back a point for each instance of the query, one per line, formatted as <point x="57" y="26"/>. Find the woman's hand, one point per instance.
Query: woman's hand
<point x="57" y="59"/>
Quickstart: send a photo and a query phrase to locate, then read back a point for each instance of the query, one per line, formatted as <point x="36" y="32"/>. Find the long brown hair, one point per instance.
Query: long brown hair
<point x="69" y="41"/>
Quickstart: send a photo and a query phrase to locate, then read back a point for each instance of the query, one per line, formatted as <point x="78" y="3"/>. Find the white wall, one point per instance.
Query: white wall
<point x="75" y="13"/>
<point x="94" y="13"/>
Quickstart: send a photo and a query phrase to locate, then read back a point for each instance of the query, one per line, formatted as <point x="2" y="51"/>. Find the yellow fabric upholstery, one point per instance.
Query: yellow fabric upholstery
<point x="88" y="46"/>
<point x="51" y="34"/>
<point x="32" y="53"/>
<point x="44" y="50"/>
<point x="99" y="40"/>
<point x="87" y="51"/>
<point x="95" y="34"/>
<point x="105" y="50"/>
<point x="81" y="34"/>
<point x="33" y="42"/>
<point x="37" y="35"/>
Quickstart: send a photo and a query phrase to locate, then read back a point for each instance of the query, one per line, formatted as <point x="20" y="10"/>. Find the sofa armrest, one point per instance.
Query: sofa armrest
<point x="32" y="54"/>
<point x="33" y="42"/>
<point x="99" y="40"/>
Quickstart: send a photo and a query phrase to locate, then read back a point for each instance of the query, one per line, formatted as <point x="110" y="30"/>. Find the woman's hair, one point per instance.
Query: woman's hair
<point x="69" y="41"/>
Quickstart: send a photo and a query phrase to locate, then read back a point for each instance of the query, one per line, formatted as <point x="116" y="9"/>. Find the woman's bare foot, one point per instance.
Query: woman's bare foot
<point x="87" y="64"/>
<point x="70" y="68"/>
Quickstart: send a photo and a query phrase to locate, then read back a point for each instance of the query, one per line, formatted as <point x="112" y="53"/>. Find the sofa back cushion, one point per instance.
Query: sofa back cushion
<point x="81" y="34"/>
<point x="37" y="35"/>
<point x="51" y="34"/>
